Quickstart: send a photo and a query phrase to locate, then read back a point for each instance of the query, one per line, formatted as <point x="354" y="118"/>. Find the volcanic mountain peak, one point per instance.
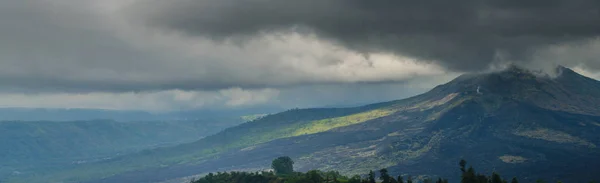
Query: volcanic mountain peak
<point x="512" y="74"/>
<point x="568" y="91"/>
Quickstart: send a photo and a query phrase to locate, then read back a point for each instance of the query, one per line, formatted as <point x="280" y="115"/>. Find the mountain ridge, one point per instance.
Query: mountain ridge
<point x="532" y="120"/>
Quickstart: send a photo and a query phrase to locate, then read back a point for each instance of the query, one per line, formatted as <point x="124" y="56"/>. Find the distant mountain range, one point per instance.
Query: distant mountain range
<point x="60" y="114"/>
<point x="38" y="146"/>
<point x="515" y="122"/>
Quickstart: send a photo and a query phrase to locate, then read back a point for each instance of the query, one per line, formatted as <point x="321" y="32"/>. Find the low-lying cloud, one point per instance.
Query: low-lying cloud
<point x="167" y="100"/>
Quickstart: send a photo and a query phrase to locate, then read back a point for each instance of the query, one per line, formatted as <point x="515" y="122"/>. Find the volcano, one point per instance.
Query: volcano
<point x="516" y="122"/>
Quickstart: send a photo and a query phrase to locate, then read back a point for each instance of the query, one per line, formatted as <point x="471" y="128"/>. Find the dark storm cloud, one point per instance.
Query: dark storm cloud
<point x="179" y="54"/>
<point x="97" y="46"/>
<point x="462" y="35"/>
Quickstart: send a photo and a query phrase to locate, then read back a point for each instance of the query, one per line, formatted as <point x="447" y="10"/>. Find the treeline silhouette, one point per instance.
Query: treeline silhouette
<point x="283" y="173"/>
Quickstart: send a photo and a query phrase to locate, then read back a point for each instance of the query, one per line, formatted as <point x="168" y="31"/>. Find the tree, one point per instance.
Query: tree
<point x="371" y="177"/>
<point x="469" y="175"/>
<point x="355" y="179"/>
<point x="496" y="178"/>
<point x="481" y="178"/>
<point x="409" y="180"/>
<point x="314" y="176"/>
<point x="514" y="180"/>
<point x="332" y="176"/>
<point x="400" y="179"/>
<point x="283" y="165"/>
<point x="462" y="164"/>
<point x="384" y="176"/>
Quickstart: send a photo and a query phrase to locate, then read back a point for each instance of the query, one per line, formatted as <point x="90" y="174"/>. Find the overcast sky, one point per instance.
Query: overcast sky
<point x="161" y="55"/>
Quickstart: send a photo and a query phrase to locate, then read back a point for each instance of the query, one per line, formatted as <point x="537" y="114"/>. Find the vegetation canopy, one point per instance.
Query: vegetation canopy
<point x="283" y="165"/>
<point x="468" y="175"/>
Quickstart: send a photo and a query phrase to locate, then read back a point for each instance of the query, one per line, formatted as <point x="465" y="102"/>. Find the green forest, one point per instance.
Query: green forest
<point x="283" y="173"/>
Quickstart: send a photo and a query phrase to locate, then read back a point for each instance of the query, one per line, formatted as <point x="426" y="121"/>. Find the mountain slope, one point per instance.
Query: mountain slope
<point x="508" y="121"/>
<point x="39" y="145"/>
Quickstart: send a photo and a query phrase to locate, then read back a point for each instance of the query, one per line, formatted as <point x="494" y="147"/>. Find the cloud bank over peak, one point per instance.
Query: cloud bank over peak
<point x="463" y="35"/>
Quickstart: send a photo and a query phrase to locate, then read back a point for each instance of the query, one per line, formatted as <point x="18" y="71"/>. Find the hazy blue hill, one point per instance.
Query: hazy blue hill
<point x="42" y="114"/>
<point x="39" y="145"/>
<point x="60" y="114"/>
<point x="512" y="121"/>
